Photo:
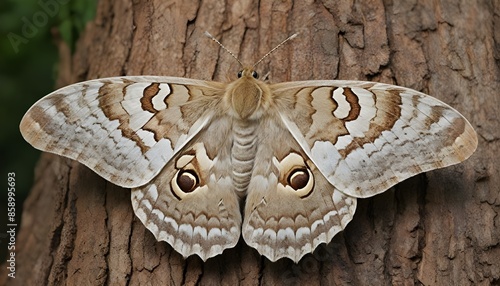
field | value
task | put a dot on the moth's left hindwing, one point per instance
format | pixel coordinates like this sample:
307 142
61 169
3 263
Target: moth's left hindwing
192 204
124 128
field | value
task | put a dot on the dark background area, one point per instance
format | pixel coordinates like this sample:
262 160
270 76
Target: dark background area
28 70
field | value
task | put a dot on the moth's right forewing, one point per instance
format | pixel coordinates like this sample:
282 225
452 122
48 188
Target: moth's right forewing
365 137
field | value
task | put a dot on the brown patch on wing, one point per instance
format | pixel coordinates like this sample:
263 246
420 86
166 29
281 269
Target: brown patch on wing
353 101
147 98
325 127
388 112
108 102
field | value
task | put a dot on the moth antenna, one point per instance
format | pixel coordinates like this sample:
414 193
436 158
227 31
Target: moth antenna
275 48
222 46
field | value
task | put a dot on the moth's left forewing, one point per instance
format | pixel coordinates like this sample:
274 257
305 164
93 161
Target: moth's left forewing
124 128
365 137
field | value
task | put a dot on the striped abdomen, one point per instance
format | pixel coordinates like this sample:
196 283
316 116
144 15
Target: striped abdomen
243 153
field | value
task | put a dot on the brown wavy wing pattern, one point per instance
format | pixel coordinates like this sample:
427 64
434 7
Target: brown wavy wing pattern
365 137
124 128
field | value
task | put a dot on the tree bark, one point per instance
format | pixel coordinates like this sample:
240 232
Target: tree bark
438 228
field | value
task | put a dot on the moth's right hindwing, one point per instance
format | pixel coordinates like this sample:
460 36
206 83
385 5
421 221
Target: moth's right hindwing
125 128
290 208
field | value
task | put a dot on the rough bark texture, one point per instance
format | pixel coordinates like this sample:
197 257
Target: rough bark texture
440 228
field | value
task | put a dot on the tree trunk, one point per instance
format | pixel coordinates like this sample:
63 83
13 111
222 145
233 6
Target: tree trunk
439 228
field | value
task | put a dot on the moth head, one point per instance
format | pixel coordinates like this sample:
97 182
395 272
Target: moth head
248 73
245 94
